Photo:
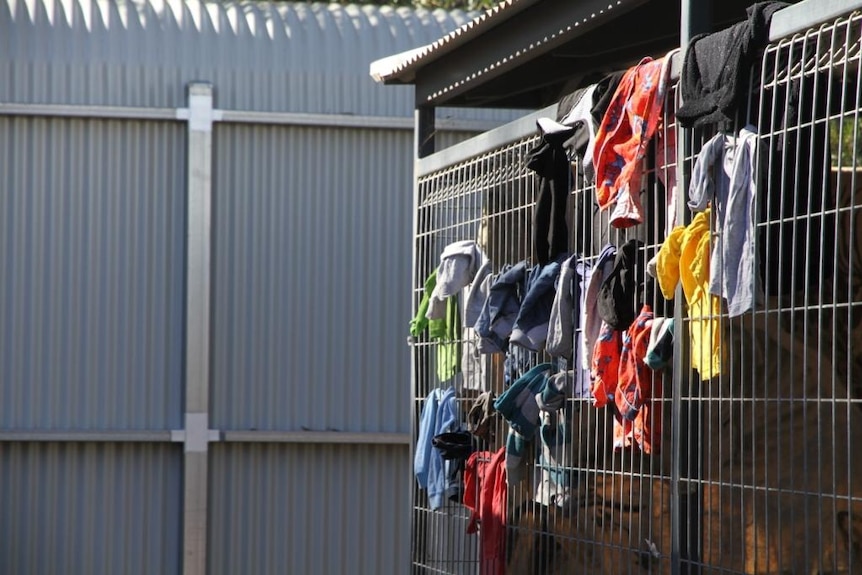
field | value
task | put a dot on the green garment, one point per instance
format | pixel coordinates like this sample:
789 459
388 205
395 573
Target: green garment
446 330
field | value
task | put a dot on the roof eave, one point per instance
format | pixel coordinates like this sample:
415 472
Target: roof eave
401 68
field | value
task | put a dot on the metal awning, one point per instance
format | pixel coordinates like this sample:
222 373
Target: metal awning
529 53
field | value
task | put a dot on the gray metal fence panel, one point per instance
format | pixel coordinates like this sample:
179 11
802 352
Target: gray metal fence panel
262 56
308 509
310 264
91 250
311 274
94 183
95 508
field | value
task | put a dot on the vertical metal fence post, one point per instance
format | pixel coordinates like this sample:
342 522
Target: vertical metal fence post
424 131
695 16
197 434
423 145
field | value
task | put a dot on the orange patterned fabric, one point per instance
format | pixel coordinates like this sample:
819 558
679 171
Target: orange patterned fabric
606 365
638 386
623 382
631 119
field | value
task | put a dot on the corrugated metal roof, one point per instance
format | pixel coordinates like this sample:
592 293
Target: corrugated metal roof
401 66
261 56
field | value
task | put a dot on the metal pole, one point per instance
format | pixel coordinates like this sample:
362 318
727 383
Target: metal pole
424 133
197 434
686 499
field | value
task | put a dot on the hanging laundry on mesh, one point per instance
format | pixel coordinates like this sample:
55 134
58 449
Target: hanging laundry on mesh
531 326
624 383
444 330
716 69
602 268
554 477
536 405
568 317
501 312
583 111
473 360
621 292
723 177
501 306
485 492
631 120
438 476
550 161
684 258
452 283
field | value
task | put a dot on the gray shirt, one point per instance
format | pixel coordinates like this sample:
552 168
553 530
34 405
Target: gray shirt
724 174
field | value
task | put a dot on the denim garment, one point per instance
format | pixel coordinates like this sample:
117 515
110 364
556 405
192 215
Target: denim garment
501 307
531 326
439 477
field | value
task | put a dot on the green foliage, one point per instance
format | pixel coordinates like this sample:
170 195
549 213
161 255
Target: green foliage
846 142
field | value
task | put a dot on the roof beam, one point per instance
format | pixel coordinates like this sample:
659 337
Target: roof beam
534 32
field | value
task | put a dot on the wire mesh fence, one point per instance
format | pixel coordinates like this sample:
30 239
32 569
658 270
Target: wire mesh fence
749 460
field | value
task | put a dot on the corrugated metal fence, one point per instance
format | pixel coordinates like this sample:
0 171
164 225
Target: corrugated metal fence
205 255
758 470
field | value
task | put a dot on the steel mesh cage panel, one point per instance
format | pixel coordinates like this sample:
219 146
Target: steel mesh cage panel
491 198
775 476
758 466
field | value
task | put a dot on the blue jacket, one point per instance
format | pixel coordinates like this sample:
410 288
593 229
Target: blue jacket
439 477
531 325
501 308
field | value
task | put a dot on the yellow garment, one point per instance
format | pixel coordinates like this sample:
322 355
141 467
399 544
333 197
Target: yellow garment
684 257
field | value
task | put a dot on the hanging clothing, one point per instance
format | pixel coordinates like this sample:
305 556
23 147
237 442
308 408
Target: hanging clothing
518 406
440 478
445 330
581 366
638 386
554 466
631 120
475 304
459 262
530 329
485 496
501 307
482 417
723 176
579 117
592 320
561 325
684 258
473 359
625 385
550 161
606 366
620 294
716 68
568 318
660 347
584 111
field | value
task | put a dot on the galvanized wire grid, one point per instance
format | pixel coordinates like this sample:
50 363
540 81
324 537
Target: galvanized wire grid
759 468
